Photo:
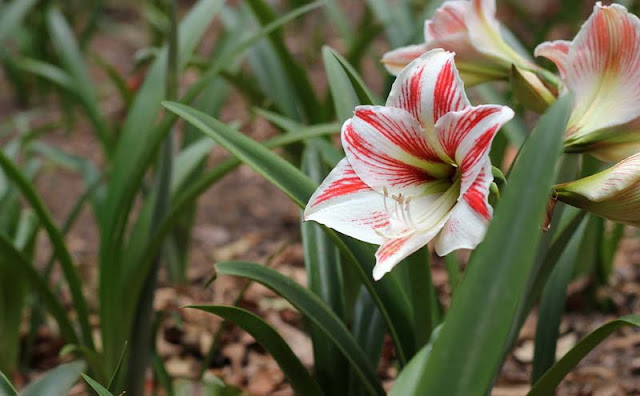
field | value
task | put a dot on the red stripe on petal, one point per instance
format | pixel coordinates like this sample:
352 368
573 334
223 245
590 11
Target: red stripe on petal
476 197
452 138
480 147
446 95
389 249
410 94
350 183
411 141
376 220
399 173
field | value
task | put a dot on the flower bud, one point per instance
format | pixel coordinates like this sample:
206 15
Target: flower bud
613 194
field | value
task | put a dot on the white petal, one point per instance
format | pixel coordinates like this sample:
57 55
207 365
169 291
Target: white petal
608 183
446 21
557 52
396 60
346 204
425 218
484 32
469 219
393 251
603 70
429 87
613 194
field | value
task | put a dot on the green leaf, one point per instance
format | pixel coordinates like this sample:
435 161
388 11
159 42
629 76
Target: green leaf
552 306
57 381
116 371
39 286
550 380
346 86
297 78
12 15
423 296
6 387
487 299
389 296
315 310
301 381
126 93
100 390
68 268
369 330
188 160
184 199
49 72
324 278
90 356
396 20
607 249
135 148
250 152
67 49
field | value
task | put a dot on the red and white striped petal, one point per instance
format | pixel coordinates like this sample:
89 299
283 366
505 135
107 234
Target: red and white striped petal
429 87
557 52
393 251
603 70
484 33
447 21
469 219
613 193
396 60
465 137
389 151
346 204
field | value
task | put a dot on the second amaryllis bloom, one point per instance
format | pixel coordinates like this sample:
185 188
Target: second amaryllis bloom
472 31
416 169
613 193
601 66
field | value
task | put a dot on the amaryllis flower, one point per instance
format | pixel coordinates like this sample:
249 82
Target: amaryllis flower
471 30
613 194
601 66
416 169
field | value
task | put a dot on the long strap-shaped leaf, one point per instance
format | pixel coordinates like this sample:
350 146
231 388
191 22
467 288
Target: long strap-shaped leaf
325 279
69 270
301 381
6 387
40 286
187 197
389 297
314 309
551 379
100 390
56 381
552 305
468 351
135 145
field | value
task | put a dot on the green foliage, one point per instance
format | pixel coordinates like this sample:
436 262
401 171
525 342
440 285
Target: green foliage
492 283
144 200
301 381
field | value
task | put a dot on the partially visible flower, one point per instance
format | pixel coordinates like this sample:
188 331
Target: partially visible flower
471 30
601 66
416 169
613 194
